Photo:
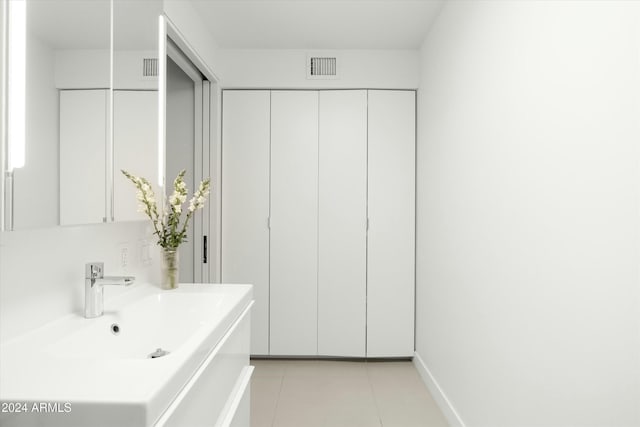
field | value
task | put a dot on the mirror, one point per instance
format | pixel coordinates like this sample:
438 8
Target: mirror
80 131
135 101
67 48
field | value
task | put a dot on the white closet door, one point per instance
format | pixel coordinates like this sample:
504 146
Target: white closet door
391 206
294 222
342 240
83 135
245 202
135 148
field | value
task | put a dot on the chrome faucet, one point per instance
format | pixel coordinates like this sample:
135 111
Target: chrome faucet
94 280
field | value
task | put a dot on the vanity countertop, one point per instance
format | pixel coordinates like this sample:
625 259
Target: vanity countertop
89 366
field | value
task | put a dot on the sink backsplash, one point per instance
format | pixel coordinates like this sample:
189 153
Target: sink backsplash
42 271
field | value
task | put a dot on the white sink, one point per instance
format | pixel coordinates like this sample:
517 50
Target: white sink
83 363
165 321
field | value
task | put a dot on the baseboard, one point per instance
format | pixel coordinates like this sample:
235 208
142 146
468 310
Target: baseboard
438 394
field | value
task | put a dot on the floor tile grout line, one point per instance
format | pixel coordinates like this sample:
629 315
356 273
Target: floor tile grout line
275 410
373 394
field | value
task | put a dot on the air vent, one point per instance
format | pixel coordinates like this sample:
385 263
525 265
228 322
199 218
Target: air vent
149 67
322 67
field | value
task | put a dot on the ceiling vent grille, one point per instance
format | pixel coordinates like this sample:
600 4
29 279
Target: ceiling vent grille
322 67
149 67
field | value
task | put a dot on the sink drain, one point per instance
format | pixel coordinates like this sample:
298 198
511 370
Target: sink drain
158 353
115 329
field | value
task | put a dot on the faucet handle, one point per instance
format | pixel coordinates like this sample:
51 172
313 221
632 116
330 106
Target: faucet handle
94 270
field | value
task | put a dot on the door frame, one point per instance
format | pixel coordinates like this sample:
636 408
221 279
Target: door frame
174 44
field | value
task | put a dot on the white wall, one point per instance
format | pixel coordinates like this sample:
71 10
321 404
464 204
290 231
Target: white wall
528 307
286 68
185 18
82 68
127 70
89 69
42 271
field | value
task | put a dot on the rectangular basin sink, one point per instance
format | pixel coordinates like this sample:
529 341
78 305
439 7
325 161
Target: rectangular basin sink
164 321
101 369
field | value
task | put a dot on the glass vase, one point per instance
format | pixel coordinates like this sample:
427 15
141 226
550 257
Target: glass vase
170 269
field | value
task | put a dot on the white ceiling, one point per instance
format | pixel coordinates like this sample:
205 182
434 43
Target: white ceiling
70 24
318 24
242 24
84 24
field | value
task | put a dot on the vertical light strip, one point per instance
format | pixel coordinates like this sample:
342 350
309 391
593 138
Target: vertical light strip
162 86
110 142
4 185
17 83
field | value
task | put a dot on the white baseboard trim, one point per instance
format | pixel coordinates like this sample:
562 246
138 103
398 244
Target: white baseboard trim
441 399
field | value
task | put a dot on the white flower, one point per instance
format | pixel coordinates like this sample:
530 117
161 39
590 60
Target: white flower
168 223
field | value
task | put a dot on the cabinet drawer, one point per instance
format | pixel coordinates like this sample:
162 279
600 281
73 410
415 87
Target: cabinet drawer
237 412
203 399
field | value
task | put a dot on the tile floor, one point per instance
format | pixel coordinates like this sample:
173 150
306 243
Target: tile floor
310 393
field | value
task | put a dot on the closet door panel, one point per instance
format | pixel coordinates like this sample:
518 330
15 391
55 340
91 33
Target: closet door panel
245 202
294 219
135 148
391 235
83 138
342 223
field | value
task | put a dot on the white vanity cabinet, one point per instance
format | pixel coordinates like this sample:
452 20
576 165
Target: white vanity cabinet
218 394
318 212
